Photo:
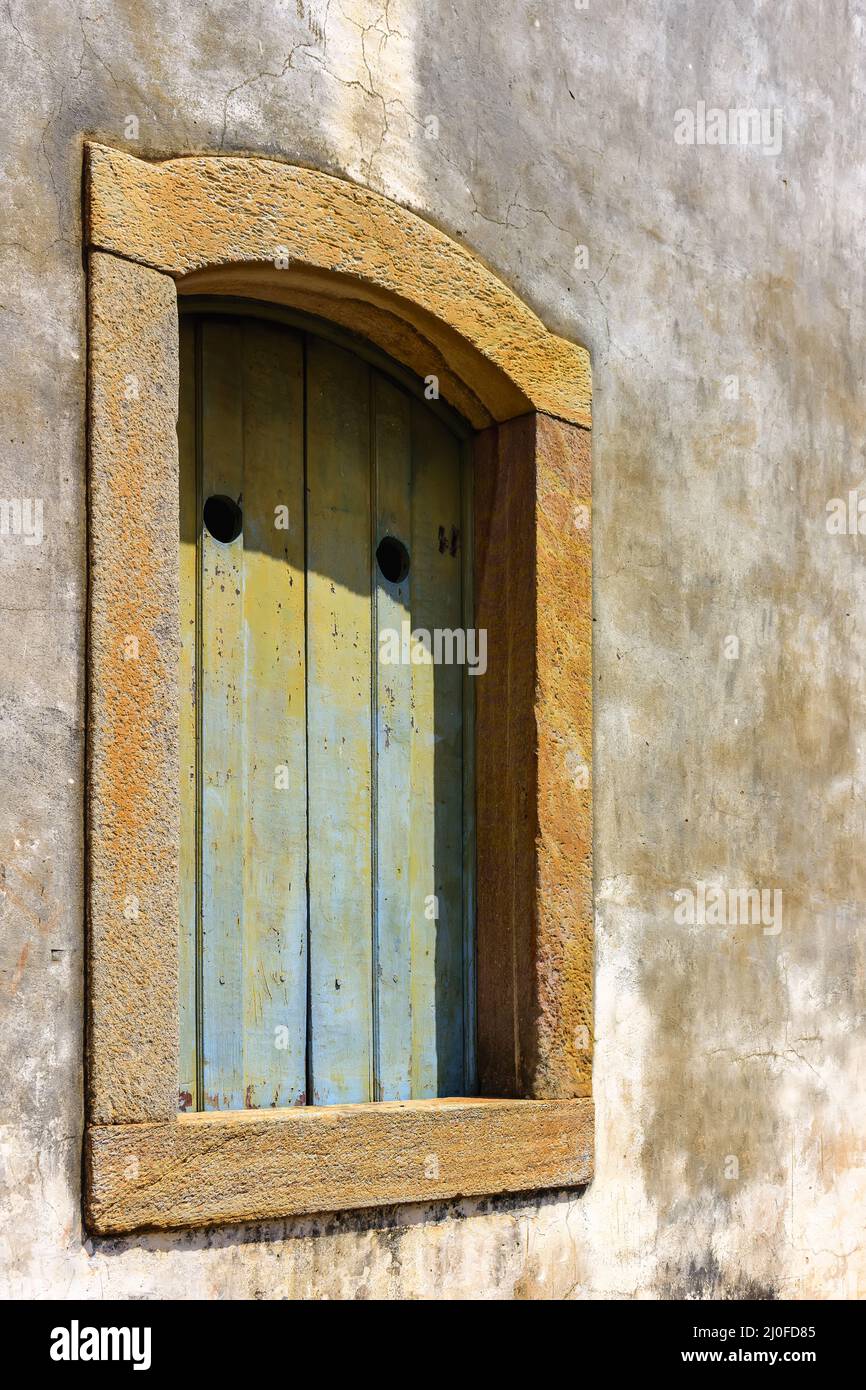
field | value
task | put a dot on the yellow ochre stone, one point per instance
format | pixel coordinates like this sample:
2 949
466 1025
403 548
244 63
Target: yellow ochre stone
184 215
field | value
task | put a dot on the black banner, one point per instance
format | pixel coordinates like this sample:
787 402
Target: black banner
144 1337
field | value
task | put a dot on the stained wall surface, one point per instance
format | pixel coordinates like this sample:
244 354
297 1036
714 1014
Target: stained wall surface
719 287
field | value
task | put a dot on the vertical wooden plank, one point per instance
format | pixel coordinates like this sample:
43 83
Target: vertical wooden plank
437 780
222 727
188 902
275 790
393 735
470 1068
339 665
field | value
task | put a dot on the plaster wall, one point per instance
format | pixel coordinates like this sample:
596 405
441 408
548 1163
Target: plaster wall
721 294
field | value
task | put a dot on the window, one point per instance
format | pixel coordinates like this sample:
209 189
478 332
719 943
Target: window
326 930
302 243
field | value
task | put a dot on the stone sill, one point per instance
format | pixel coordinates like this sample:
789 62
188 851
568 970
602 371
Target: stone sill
256 1165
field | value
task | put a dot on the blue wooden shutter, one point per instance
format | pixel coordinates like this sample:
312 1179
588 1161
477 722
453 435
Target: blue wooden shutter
326 796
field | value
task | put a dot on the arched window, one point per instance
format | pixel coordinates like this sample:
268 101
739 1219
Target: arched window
253 850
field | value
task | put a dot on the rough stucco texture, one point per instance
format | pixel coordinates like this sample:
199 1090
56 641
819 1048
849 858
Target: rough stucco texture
729 1061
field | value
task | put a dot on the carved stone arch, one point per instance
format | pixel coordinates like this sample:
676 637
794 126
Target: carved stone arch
371 264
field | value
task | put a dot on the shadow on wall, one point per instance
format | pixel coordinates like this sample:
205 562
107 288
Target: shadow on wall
391 1220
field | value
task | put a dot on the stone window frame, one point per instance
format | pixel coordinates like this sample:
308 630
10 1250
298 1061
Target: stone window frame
262 229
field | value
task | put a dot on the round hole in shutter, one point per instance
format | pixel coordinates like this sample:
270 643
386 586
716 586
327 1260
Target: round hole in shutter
393 559
223 518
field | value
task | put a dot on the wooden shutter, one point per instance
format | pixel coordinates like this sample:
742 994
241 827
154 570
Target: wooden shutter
325 906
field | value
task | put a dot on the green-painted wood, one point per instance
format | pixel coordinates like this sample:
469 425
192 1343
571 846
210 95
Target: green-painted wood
186 430
252 742
319 765
392 463
470 1068
436 855
313 326
339 669
222 728
275 810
